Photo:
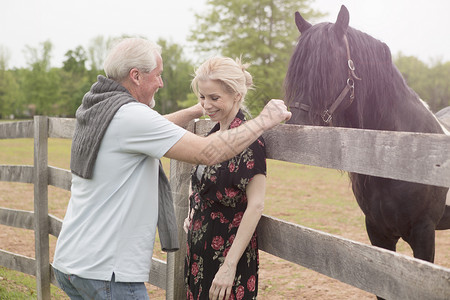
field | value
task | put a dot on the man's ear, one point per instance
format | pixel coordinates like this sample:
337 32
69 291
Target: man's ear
134 76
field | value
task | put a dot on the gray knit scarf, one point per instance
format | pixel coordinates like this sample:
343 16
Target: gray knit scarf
96 111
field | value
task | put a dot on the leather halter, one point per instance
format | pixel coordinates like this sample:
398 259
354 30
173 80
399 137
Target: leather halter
349 87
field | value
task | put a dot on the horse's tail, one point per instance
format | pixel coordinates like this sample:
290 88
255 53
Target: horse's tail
444 223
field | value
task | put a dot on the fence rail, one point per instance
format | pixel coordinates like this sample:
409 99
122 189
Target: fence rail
422 158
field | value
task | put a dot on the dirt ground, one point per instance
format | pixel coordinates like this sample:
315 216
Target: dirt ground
278 279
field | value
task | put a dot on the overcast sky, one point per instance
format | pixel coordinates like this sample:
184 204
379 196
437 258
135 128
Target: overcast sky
414 27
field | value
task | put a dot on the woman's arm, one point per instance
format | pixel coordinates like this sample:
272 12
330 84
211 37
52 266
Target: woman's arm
224 279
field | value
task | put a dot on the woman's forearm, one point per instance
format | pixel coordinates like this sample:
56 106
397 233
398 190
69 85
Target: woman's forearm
249 221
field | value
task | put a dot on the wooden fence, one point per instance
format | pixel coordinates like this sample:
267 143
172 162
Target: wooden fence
422 158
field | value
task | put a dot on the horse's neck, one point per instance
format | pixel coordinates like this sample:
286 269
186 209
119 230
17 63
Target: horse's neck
412 115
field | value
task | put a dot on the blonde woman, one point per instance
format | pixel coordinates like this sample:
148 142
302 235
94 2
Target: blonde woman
228 198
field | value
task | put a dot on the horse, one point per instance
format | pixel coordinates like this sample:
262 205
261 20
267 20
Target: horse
340 76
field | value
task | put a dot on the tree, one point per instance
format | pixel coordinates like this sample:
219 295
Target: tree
75 81
440 88
75 61
263 32
430 83
41 85
176 77
10 93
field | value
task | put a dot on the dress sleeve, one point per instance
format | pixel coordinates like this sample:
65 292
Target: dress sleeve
259 158
250 163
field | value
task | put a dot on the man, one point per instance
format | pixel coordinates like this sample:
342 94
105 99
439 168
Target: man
105 246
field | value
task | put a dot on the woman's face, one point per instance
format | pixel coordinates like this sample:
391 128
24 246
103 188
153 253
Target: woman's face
218 104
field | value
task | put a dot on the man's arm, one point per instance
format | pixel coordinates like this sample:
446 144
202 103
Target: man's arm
223 145
184 116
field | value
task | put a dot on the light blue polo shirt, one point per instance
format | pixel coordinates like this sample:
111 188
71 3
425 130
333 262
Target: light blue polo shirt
110 223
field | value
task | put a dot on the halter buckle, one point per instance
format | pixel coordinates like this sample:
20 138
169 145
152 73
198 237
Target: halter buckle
326 116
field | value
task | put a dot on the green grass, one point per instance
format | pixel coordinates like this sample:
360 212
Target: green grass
17 286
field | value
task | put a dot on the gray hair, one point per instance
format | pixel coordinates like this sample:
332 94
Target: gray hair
131 53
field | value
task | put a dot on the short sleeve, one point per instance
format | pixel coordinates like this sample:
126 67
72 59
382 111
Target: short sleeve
143 130
250 162
257 162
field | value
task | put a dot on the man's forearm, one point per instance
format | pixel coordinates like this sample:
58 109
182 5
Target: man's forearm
223 145
184 116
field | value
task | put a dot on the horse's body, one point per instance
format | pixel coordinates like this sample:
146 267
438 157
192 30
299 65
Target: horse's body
329 57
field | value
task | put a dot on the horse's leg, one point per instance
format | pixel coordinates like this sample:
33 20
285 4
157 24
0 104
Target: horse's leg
379 239
422 240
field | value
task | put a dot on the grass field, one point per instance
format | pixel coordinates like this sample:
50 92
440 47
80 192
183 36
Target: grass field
314 197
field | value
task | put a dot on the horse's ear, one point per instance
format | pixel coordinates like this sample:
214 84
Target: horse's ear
301 23
341 25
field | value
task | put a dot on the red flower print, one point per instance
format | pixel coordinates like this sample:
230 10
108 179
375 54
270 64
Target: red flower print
231 167
194 269
231 239
231 192
197 225
237 219
240 292
190 296
219 195
223 220
236 122
217 242
251 283
213 178
250 164
253 241
215 215
195 257
225 252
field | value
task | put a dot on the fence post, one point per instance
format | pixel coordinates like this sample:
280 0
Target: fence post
40 174
179 181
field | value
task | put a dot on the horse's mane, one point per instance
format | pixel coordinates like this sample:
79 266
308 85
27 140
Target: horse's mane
318 71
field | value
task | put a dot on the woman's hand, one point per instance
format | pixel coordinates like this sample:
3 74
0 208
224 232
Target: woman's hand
187 221
223 282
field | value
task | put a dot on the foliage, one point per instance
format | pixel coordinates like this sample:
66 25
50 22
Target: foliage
263 32
429 82
176 77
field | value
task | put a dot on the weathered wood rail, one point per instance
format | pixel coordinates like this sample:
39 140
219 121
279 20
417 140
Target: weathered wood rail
422 158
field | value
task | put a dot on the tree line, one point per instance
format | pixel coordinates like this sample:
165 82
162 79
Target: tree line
257 31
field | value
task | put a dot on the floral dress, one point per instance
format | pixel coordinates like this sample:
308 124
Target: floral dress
219 202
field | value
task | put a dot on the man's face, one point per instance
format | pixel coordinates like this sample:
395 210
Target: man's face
150 83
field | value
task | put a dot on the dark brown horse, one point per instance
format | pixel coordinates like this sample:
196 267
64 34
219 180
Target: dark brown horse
339 76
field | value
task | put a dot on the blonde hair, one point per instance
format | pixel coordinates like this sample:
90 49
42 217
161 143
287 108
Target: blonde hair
131 53
231 74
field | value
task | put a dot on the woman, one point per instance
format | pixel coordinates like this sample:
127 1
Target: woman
227 199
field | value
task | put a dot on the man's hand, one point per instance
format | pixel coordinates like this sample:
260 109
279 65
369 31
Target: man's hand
274 113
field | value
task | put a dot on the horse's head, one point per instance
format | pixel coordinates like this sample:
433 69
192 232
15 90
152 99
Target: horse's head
319 82
323 84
